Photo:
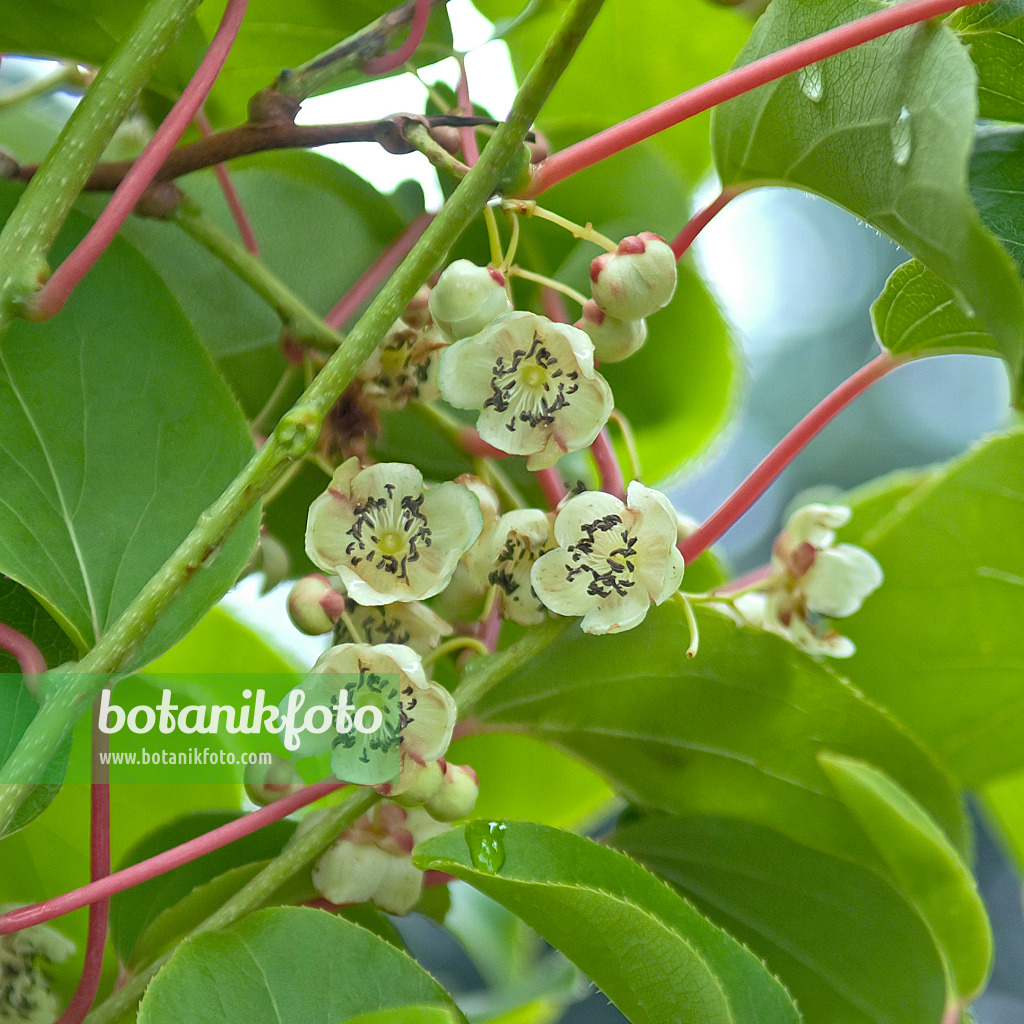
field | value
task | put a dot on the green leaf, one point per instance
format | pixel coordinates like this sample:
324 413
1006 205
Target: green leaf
893 150
21 611
924 867
132 911
408 1015
994 34
108 461
735 731
648 950
997 184
848 947
1003 799
636 54
939 642
287 965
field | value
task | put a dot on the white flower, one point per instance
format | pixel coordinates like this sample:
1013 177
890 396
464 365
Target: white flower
519 539
402 622
467 298
417 716
26 994
613 560
779 613
386 537
534 383
403 368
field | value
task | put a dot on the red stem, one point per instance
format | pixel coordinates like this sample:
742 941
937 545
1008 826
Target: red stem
395 59
230 194
15 920
51 298
784 452
99 867
470 149
550 482
700 220
16 644
608 466
490 628
377 272
734 83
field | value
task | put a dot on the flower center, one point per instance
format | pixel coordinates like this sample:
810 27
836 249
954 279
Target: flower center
606 553
531 386
388 534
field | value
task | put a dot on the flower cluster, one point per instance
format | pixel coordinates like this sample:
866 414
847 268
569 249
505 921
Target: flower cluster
25 990
811 577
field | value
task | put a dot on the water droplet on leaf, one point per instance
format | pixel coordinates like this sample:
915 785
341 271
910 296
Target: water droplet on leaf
811 82
486 847
902 138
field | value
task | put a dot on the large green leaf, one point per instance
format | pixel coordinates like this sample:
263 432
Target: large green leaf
846 944
997 185
107 460
287 965
924 867
893 150
638 52
1003 799
994 34
648 950
735 731
940 643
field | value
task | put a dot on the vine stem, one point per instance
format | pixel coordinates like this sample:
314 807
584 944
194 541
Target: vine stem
297 431
299 852
103 888
30 230
99 867
733 83
551 483
470 149
227 187
375 274
67 76
700 220
784 452
395 59
51 298
608 467
20 647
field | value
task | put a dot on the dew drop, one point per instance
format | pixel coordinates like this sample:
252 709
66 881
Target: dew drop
486 847
902 139
811 82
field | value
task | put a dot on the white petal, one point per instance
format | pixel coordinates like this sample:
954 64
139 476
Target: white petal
616 615
840 579
582 510
816 524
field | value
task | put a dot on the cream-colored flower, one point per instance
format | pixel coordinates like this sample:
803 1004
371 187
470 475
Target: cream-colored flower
534 383
467 298
403 622
416 717
26 993
386 536
613 560
403 367
519 539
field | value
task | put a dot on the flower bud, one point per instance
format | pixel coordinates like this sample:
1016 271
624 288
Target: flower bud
457 796
314 605
637 279
613 339
265 783
274 561
419 782
467 298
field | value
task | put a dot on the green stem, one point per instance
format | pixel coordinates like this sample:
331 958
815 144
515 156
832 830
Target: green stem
298 429
42 210
299 320
295 856
66 75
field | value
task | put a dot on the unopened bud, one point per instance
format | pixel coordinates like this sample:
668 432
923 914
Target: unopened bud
265 783
314 605
467 298
637 279
274 561
613 339
419 782
457 796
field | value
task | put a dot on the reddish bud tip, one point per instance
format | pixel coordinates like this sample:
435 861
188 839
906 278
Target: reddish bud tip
497 276
597 264
631 245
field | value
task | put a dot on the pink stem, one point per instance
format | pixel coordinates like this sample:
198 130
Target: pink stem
608 466
734 83
490 628
470 150
230 193
473 444
395 59
99 867
51 298
748 579
16 644
550 482
784 452
15 920
700 220
377 272
553 306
